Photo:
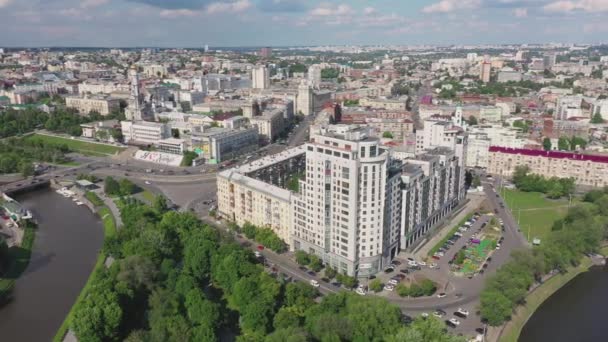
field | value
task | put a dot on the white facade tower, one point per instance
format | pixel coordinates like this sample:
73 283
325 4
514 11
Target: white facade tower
134 111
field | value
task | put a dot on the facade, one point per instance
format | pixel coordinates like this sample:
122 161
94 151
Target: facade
270 124
255 192
341 211
490 113
485 72
219 144
304 103
586 169
388 104
509 75
102 130
429 192
101 87
445 134
171 145
155 70
314 76
260 78
85 105
144 132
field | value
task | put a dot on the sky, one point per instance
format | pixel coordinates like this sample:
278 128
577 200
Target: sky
195 23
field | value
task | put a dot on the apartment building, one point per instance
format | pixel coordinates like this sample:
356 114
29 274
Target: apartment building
85 105
270 124
445 134
429 192
256 192
341 211
586 169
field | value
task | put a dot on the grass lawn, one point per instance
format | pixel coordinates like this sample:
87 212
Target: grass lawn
86 148
148 196
19 259
93 198
536 298
109 229
535 213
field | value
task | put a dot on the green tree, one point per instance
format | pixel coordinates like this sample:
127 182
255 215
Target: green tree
472 121
547 144
563 144
330 273
198 252
287 317
289 334
98 316
111 186
126 187
495 307
201 311
375 285
160 204
597 118
315 263
26 168
387 135
403 290
302 257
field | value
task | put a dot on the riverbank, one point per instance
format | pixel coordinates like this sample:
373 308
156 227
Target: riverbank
109 230
19 260
512 330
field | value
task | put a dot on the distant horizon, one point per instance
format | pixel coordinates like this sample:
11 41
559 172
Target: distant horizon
234 23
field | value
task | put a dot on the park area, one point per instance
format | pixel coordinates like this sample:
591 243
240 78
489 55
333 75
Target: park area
470 259
79 146
534 212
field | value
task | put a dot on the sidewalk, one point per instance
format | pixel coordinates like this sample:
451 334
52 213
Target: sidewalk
475 200
112 206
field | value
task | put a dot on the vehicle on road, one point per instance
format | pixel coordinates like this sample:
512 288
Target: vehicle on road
441 295
311 273
404 271
388 270
454 322
389 287
147 182
314 283
393 282
424 315
257 254
360 291
439 313
433 265
421 263
462 313
260 247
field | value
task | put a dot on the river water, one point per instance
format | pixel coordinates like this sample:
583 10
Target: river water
64 254
578 312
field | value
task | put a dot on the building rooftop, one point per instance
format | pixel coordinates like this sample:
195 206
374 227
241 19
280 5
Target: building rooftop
270 160
551 154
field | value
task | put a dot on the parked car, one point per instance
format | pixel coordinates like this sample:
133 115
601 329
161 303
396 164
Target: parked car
441 295
314 283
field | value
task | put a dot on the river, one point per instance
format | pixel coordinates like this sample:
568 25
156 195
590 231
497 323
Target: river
576 312
64 254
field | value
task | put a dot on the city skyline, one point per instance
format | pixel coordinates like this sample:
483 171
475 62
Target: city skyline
195 23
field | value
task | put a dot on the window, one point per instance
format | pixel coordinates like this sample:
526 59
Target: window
372 151
362 152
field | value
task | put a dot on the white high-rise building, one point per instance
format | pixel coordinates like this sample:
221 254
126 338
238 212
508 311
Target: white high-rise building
304 103
314 76
133 112
260 78
347 211
445 134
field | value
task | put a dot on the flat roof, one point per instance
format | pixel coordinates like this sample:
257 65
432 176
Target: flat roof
271 159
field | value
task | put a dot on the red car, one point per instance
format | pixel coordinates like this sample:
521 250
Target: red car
5 217
260 247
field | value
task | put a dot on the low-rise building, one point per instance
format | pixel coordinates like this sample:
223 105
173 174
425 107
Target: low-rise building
586 169
171 145
144 132
103 105
388 104
219 144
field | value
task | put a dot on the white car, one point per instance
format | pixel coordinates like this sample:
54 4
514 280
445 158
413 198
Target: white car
389 287
360 291
257 254
412 263
147 182
314 283
463 312
422 263
424 315
433 265
455 321
441 295
393 282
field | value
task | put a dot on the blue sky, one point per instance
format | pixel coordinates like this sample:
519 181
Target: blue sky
194 23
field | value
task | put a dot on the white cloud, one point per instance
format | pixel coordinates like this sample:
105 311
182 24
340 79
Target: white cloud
178 13
4 3
326 10
520 12
92 3
445 6
577 5
369 10
229 7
